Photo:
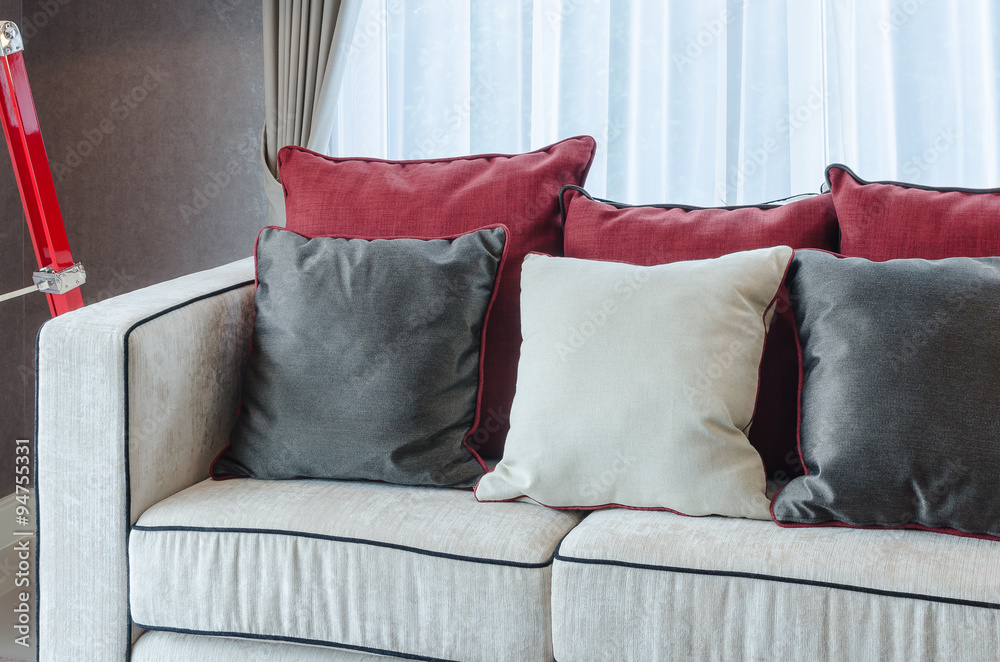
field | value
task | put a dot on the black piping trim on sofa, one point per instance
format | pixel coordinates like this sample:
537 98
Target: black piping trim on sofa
782 580
890 182
128 483
295 640
772 204
344 539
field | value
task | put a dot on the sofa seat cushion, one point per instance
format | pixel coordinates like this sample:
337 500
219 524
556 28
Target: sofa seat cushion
424 573
630 585
175 647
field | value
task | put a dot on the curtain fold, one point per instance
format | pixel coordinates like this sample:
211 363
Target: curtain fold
706 103
306 47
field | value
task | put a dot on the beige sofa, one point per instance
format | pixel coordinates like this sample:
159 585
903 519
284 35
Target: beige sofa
142 558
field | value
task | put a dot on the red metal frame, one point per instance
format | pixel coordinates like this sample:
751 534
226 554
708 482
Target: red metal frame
34 178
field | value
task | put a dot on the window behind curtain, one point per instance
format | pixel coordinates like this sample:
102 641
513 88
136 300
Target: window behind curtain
709 102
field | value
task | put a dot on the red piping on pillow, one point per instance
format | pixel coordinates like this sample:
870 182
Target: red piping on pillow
798 404
798 408
669 510
211 467
805 468
587 508
482 337
914 527
482 344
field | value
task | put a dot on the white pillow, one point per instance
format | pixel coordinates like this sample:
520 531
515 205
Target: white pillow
637 385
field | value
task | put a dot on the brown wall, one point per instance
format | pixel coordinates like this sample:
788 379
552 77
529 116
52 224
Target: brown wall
15 252
151 114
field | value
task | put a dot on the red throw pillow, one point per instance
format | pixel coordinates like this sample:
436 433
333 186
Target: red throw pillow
375 198
658 234
889 220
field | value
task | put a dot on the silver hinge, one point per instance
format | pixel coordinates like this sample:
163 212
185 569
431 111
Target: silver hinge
10 38
49 281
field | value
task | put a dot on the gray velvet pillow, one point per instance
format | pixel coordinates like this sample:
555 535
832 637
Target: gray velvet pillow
366 359
900 423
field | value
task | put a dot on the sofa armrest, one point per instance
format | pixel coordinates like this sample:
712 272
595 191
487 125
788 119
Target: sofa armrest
134 397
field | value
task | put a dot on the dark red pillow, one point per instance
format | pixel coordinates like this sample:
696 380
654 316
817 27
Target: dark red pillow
658 234
889 220
375 198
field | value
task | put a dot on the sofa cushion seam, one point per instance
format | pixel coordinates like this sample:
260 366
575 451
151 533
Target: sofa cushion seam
350 540
294 640
783 580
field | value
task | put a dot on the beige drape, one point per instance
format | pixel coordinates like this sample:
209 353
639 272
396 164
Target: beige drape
305 49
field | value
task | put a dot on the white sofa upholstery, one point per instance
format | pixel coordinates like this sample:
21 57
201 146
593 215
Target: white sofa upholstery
174 647
326 562
136 396
658 586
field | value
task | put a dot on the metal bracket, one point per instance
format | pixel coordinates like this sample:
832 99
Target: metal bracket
49 281
34 178
10 38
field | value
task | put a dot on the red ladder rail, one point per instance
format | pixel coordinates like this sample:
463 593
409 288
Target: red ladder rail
34 179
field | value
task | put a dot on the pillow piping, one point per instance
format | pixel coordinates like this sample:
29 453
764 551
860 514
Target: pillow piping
770 305
382 198
446 159
891 182
771 204
606 230
805 468
482 336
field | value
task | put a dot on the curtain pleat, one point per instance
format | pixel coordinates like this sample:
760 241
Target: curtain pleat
273 60
306 45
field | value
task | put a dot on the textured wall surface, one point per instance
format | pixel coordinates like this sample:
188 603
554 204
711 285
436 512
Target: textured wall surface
16 265
151 114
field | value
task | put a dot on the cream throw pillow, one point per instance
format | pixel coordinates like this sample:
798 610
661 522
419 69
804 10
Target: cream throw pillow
636 385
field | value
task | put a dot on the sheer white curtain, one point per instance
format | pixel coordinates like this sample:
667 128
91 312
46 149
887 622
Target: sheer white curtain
708 102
